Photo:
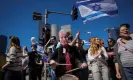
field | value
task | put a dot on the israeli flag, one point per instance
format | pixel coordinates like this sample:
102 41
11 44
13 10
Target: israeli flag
93 9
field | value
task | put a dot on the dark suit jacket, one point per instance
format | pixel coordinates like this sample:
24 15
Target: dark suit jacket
59 57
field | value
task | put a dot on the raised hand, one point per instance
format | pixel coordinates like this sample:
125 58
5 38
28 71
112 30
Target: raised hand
78 34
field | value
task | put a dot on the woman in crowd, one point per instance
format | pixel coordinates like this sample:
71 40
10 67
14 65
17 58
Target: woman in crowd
124 53
110 52
13 65
97 57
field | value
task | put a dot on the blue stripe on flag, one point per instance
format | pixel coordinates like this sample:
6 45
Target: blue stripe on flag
93 15
113 12
101 12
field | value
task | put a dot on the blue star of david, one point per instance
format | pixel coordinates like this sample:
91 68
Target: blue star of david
96 7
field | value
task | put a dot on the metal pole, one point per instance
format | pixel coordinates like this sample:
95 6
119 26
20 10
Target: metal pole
59 13
46 16
48 12
45 65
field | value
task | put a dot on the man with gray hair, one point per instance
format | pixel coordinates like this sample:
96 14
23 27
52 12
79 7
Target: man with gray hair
66 54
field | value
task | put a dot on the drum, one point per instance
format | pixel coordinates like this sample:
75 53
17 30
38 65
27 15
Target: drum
68 77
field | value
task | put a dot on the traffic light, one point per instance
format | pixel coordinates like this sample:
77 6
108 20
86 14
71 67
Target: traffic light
46 35
74 13
37 16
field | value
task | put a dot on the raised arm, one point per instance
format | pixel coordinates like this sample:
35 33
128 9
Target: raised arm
25 51
74 40
45 46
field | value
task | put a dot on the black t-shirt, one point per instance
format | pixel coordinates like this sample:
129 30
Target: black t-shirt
38 59
109 49
111 58
32 59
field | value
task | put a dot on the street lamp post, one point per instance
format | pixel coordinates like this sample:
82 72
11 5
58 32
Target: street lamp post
38 16
46 16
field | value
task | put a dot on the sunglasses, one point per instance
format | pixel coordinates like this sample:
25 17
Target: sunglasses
110 41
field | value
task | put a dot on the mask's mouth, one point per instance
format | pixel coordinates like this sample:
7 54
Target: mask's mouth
125 33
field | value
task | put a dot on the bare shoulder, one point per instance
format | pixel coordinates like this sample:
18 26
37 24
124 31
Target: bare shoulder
12 49
103 48
131 35
118 40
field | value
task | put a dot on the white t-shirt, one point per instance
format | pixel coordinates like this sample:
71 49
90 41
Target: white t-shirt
92 57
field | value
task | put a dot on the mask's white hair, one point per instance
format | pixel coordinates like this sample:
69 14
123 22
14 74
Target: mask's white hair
62 31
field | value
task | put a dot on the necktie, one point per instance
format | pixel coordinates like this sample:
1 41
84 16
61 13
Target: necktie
68 67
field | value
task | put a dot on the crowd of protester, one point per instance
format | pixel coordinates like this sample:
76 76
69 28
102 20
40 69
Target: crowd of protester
68 60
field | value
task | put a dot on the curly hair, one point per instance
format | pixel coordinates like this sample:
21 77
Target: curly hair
94 47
